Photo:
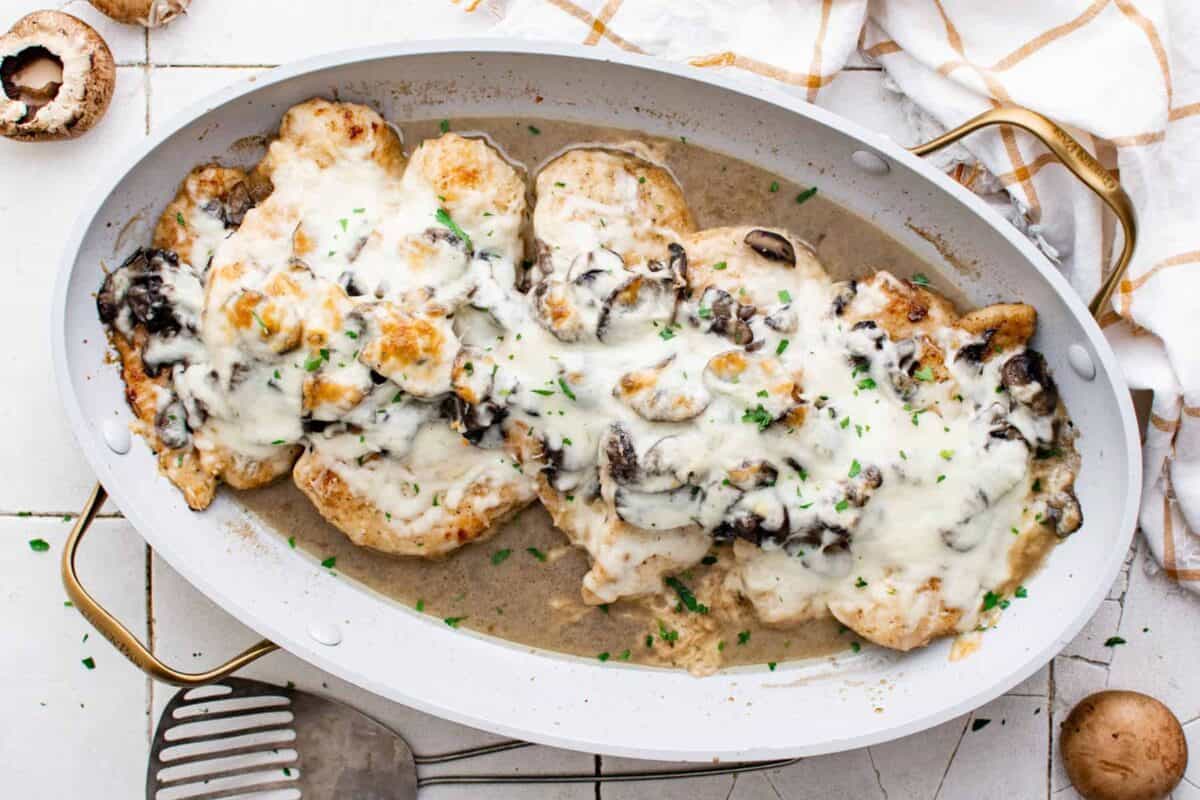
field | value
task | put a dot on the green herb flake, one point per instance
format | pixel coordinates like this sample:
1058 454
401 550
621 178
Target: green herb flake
1021 592
543 392
538 554
313 364
990 601
855 468
329 563
842 505
536 131
444 126
667 334
771 665
266 331
704 313
759 416
420 604
785 296
920 280
845 423
453 621
941 478
867 383
855 646
39 545
783 345
443 218
625 655
603 656
806 195
946 454
667 635
743 637
720 265
686 596
291 542
500 556
649 640
1113 641
925 373
89 662
566 389
859 583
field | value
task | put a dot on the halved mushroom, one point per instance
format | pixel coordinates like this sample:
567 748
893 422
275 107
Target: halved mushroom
149 13
57 77
719 313
771 246
662 393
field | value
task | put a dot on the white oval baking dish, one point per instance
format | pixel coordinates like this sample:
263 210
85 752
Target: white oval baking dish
749 713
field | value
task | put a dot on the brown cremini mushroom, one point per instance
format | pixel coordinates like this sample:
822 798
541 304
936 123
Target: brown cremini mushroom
150 13
1119 745
57 77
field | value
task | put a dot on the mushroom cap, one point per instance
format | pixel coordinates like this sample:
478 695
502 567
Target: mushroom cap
1120 745
88 77
150 13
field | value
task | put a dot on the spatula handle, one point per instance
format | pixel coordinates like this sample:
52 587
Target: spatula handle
118 634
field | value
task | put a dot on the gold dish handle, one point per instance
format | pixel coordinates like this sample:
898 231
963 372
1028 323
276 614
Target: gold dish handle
117 633
1074 157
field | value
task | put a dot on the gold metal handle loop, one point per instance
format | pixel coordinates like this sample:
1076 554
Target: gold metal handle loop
1074 157
117 633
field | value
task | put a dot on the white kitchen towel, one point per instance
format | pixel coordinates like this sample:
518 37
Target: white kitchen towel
1121 74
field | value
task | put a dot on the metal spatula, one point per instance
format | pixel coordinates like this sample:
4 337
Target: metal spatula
243 738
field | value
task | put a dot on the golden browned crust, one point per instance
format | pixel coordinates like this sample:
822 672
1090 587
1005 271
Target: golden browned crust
720 257
1007 325
902 620
367 525
203 184
321 131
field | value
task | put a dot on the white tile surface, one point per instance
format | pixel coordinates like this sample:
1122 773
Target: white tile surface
41 642
69 731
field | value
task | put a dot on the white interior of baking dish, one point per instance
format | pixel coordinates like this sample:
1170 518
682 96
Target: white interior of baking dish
799 709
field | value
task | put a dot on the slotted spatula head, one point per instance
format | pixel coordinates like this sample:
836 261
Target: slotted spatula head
243 738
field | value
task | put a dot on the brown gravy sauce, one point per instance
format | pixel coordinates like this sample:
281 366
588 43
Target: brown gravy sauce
499 587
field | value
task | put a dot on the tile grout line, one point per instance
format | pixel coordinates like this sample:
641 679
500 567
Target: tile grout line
598 762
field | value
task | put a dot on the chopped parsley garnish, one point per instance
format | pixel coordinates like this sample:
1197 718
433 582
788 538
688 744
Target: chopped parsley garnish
469 368
534 130
925 373
859 583
562 384
89 662
903 455
179 219
785 296
743 637
990 601
920 280
604 656
344 223
420 604
806 195
686 597
279 441
867 383
313 364
329 562
543 392
1113 641
444 126
855 646
625 655
1037 484
703 312
641 178
759 416
941 478
443 218
783 345
668 636
39 545
771 665
453 621
566 440
720 265
845 423
538 554
1021 592
24 513
946 454
667 334
291 542
649 640
842 505
774 187
499 556
855 468
266 331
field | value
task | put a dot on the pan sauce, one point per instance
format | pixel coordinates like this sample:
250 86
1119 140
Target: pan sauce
507 595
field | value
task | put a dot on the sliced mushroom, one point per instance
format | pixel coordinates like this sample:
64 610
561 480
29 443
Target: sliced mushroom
619 457
148 13
718 312
843 295
171 426
57 77
661 393
1029 382
638 303
771 246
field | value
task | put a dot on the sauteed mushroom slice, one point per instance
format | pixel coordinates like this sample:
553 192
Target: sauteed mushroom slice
1029 382
719 313
758 266
56 75
771 246
639 302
